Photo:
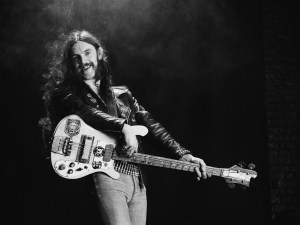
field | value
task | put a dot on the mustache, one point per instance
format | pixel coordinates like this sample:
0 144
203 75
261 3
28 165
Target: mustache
86 65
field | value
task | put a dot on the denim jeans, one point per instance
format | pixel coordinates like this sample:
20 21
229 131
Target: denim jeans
121 201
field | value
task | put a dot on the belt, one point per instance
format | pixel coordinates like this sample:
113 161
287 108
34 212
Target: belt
127 168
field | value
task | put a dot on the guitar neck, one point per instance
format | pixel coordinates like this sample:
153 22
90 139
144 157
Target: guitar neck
168 163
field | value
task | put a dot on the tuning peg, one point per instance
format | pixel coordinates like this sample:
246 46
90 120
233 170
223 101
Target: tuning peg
231 185
251 166
242 164
243 187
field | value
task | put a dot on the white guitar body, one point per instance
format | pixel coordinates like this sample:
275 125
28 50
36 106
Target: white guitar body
79 150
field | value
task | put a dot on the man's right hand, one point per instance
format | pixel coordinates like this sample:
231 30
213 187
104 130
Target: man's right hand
131 142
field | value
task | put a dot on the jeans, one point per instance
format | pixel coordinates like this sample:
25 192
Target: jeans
121 201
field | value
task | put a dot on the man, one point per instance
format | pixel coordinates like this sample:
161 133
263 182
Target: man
79 82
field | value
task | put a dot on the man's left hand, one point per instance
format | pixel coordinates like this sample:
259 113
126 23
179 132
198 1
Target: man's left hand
192 159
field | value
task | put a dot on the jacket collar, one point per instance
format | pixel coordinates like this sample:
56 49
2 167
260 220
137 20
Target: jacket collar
110 105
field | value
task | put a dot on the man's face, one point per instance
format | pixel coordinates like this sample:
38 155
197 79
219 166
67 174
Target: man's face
85 59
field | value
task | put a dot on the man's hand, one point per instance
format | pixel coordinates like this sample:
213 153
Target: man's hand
131 142
192 159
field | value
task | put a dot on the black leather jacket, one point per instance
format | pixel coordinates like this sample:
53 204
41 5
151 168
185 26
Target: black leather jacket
111 116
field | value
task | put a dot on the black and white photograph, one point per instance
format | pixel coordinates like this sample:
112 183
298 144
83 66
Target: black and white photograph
150 112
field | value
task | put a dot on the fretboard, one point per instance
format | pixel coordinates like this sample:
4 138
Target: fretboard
168 163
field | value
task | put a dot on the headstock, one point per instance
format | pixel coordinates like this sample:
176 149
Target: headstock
239 175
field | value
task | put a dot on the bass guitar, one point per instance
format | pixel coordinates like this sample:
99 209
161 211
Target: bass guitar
79 150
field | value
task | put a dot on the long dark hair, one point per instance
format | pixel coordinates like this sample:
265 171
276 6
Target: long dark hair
60 71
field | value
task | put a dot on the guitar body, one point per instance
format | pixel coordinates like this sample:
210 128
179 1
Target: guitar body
78 150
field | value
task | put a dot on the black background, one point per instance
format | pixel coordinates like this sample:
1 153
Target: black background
196 65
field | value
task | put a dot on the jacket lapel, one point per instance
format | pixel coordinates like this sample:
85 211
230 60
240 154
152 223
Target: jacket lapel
95 100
